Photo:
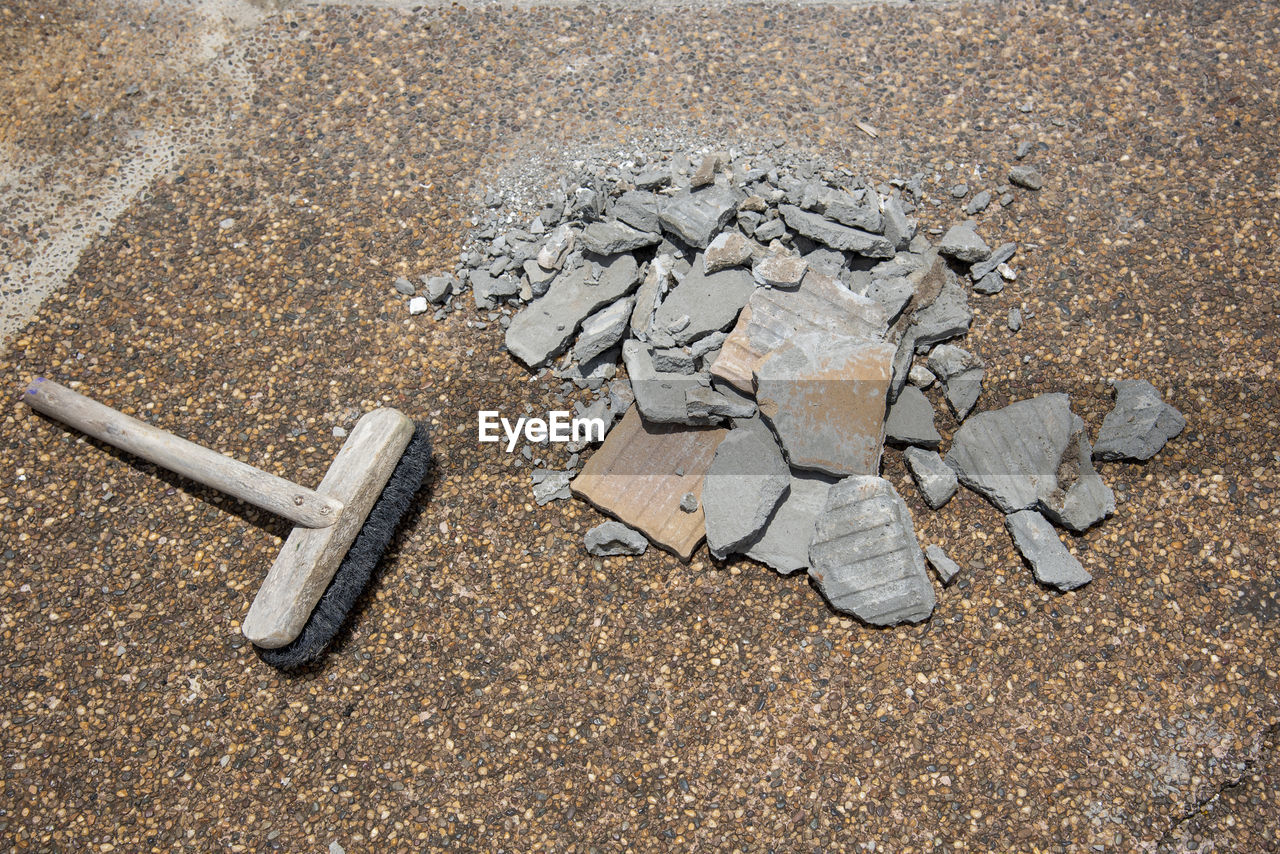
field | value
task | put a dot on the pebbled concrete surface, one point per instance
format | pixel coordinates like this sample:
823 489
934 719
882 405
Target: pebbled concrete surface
500 689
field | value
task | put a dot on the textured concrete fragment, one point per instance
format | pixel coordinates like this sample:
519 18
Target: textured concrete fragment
706 405
643 471
729 249
556 249
1051 561
783 545
657 279
610 238
944 316
549 485
963 243
961 374
892 293
1032 453
747 479
857 210
780 270
639 210
614 538
936 480
910 420
865 558
824 396
818 228
946 568
773 317
543 327
697 216
1139 425
660 396
1026 176
603 330
898 229
710 302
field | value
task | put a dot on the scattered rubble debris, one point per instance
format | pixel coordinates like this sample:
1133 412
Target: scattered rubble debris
778 320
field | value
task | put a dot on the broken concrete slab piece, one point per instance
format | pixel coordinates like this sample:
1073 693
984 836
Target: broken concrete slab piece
936 480
963 243
639 210
818 228
747 479
697 216
603 330
773 317
910 420
729 249
1026 176
898 229
1139 425
946 568
641 474
1051 561
780 270
557 247
824 396
544 327
711 302
865 558
783 545
1032 454
1002 254
610 238
661 397
614 538
961 374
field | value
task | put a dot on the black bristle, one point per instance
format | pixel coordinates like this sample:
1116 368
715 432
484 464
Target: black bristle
361 559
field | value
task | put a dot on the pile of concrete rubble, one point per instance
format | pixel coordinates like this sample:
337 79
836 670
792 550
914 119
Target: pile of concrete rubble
778 322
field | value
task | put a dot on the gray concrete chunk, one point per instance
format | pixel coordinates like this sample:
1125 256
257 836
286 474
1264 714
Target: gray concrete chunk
783 545
706 404
910 420
614 538
946 568
661 397
1032 454
780 270
963 243
865 558
860 210
936 480
1051 561
603 330
1003 253
898 229
639 209
697 216
961 374
610 238
544 327
711 302
747 479
550 485
729 249
818 228
1026 176
824 395
1139 425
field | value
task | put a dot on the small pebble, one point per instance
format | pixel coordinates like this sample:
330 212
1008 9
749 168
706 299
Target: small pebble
1015 319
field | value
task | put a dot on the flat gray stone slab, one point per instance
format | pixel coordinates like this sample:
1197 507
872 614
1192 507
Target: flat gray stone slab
822 230
711 302
946 568
898 229
747 479
936 480
545 326
1033 454
610 238
661 397
1139 425
783 545
824 396
697 216
639 209
910 420
1051 561
865 558
614 538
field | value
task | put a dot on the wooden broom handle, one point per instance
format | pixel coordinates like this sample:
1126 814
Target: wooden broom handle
304 506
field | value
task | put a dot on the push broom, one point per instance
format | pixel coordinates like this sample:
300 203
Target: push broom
343 526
